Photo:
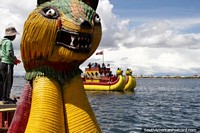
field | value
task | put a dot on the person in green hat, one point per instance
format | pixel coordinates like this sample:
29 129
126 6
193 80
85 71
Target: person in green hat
8 60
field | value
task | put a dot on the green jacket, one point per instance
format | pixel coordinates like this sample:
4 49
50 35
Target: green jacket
6 51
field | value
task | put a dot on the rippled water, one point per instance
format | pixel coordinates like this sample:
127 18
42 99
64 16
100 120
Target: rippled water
156 103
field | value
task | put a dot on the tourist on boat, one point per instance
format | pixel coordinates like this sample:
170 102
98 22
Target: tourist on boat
103 66
1 84
8 59
1 78
89 65
99 66
94 65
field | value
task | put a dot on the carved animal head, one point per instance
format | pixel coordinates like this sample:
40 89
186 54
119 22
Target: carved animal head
128 71
59 35
119 71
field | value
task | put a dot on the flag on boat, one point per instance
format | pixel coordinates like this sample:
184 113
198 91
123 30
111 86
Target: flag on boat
99 53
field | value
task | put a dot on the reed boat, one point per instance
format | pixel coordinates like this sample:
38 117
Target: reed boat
102 79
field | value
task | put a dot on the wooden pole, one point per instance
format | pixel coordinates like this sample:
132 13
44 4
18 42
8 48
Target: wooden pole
103 56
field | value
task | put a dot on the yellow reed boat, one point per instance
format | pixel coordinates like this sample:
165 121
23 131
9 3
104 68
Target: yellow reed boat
102 79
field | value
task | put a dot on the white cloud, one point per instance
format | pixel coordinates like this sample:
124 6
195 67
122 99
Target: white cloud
14 13
152 47
159 34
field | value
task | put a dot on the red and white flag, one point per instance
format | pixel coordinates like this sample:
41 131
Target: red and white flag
99 53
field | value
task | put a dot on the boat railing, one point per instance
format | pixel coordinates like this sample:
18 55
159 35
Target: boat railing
103 83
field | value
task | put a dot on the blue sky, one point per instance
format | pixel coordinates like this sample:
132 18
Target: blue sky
143 10
156 8
151 37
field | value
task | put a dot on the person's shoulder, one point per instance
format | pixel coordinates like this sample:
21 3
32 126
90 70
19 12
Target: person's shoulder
4 40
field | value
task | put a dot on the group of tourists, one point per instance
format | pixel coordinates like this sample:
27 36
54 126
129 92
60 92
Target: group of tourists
7 62
96 65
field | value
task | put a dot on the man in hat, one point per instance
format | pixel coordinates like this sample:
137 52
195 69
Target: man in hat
8 60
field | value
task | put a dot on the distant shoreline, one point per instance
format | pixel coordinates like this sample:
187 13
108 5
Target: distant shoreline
170 77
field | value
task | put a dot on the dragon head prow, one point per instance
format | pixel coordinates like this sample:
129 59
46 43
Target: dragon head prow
59 35
128 72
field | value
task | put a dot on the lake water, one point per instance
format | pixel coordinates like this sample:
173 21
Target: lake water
162 104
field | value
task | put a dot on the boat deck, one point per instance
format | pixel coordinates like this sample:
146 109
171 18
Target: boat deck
6 114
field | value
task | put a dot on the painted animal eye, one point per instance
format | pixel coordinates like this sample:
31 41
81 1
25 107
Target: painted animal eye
96 19
50 12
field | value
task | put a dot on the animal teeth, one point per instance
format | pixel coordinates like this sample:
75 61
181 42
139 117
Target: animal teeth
72 41
84 41
77 42
72 38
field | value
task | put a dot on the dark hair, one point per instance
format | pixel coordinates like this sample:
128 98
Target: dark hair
11 38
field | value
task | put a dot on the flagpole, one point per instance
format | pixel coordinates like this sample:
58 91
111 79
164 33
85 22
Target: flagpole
103 56
101 53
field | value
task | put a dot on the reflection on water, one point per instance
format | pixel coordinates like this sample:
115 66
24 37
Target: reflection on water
156 103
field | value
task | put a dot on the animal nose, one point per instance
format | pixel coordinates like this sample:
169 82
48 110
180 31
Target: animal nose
86 24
